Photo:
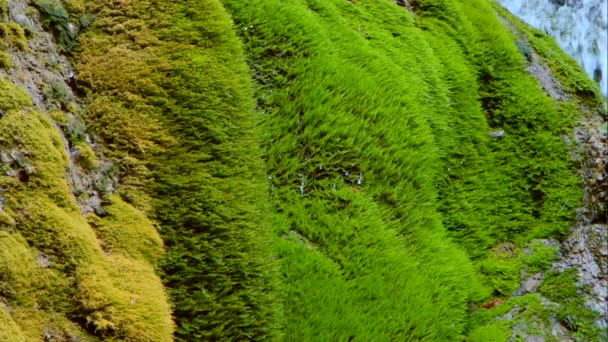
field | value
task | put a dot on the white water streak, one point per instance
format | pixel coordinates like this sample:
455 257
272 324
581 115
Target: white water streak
580 27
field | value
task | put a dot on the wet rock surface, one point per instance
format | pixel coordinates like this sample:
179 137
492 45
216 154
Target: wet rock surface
586 247
579 27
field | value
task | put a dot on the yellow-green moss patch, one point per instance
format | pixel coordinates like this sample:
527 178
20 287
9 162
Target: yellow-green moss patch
127 230
9 331
6 61
86 156
124 301
59 117
12 35
12 96
53 266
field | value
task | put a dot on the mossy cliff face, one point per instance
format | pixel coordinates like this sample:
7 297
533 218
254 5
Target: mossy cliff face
65 272
317 171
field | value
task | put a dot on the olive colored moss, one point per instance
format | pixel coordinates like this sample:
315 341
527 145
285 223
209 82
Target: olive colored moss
57 279
12 96
12 35
127 231
388 196
170 98
3 8
9 331
86 156
6 61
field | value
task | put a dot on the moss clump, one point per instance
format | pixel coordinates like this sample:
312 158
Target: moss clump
25 285
502 273
540 257
126 230
572 311
559 286
7 222
151 84
12 96
85 156
9 330
124 301
6 61
59 117
3 8
493 332
78 283
74 7
569 73
12 35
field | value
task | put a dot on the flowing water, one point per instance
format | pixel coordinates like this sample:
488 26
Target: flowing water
580 27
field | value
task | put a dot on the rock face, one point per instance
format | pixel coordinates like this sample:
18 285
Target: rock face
44 72
586 248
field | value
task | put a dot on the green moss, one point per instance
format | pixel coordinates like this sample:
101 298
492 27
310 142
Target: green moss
6 62
126 230
56 18
540 257
59 117
577 317
564 68
338 84
12 35
12 96
79 276
9 330
559 286
502 273
493 332
86 156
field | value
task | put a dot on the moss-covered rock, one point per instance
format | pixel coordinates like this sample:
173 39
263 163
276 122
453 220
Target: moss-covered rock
12 35
12 96
85 156
54 273
6 61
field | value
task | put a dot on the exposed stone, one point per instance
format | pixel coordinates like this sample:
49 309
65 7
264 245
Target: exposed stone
560 332
532 283
509 315
505 248
43 260
406 4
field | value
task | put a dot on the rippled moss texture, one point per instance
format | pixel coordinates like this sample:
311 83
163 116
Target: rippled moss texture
306 170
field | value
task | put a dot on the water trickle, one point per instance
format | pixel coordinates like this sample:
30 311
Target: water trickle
580 27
